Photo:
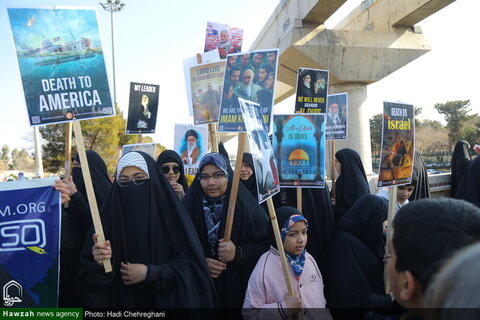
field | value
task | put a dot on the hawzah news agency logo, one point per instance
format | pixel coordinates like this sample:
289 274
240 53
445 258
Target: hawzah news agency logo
22 235
12 293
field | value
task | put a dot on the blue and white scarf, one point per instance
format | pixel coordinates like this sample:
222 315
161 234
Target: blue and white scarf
297 262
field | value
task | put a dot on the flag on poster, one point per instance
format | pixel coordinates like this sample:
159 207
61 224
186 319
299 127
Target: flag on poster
398 144
61 64
148 148
142 108
250 76
224 38
206 90
191 143
337 117
312 89
266 172
299 144
29 243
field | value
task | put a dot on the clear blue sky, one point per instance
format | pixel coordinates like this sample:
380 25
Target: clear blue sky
152 38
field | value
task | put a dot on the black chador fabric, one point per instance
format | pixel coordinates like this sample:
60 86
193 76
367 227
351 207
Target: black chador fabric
317 209
147 224
100 179
352 182
469 188
460 162
422 188
249 234
76 222
355 270
172 156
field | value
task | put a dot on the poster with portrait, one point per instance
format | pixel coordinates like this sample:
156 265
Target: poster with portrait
299 145
191 143
206 82
30 215
312 90
148 148
337 117
207 57
398 144
266 172
61 64
142 108
250 76
224 38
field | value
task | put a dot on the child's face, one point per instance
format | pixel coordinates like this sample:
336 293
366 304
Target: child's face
404 192
296 239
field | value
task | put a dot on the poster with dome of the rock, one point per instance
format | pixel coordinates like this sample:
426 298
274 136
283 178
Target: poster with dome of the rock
61 64
299 146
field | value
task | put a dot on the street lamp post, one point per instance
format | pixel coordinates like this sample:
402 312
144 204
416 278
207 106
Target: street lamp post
113 6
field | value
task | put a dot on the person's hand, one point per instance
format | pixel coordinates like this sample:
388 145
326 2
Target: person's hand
215 267
101 250
334 201
177 187
293 303
226 250
65 186
185 160
64 198
133 273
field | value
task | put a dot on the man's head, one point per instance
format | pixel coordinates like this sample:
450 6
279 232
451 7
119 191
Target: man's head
426 233
245 59
235 75
199 92
144 100
272 58
209 87
258 59
191 136
307 79
224 36
333 109
263 72
247 77
232 60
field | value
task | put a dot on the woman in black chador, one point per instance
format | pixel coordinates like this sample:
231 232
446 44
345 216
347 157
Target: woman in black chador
419 174
355 270
351 183
172 168
77 221
156 258
460 162
230 263
469 188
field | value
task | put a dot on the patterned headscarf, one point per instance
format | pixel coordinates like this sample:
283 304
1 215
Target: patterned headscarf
297 262
216 159
131 159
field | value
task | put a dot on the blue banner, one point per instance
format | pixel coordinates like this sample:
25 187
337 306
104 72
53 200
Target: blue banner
29 243
61 63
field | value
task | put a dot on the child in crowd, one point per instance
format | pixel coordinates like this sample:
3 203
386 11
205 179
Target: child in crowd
267 296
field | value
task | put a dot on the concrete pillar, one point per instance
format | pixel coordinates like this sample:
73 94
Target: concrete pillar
358 125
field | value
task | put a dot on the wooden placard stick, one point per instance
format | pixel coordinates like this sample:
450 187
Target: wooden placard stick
68 153
212 130
242 136
281 251
140 137
299 199
332 149
392 210
97 223
68 148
